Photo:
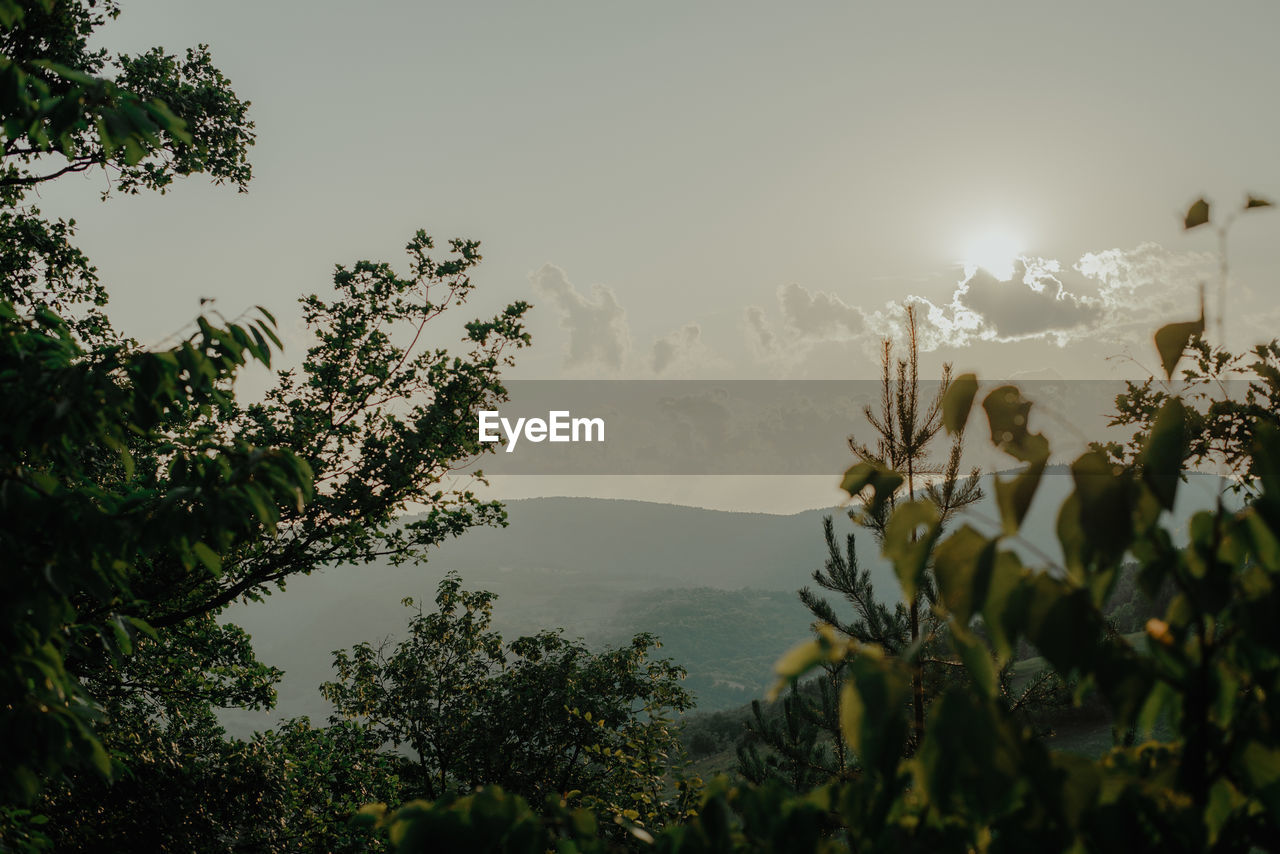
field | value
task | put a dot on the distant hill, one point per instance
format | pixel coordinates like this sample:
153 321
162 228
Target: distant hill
604 569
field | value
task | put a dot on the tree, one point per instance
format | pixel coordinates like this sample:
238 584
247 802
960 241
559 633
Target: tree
178 504
68 108
796 738
96 486
383 422
904 432
541 716
424 693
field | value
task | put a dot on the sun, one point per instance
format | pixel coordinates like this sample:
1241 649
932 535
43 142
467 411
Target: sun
995 251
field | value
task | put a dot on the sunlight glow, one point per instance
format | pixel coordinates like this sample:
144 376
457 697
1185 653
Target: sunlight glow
994 251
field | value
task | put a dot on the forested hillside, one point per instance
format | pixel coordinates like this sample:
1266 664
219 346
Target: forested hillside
602 570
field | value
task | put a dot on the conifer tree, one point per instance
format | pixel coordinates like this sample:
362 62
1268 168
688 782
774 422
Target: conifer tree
904 430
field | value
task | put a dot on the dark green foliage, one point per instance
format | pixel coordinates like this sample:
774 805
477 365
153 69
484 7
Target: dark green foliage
1220 428
759 819
874 621
324 775
180 786
185 787
138 499
382 420
541 715
79 527
58 102
794 743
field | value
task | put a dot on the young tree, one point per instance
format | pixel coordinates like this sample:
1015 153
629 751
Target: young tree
904 432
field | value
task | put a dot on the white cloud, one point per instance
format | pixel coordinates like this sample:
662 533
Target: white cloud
597 324
1033 303
1118 295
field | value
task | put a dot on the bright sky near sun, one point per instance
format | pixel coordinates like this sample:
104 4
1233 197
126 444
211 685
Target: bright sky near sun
730 189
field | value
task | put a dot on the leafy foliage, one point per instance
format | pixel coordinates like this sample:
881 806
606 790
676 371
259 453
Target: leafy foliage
79 527
138 497
59 102
541 716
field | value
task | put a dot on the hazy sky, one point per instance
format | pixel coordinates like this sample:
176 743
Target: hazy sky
729 189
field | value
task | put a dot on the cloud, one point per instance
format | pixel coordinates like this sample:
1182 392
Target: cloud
1116 294
1149 280
817 314
677 346
760 333
597 324
810 321
1034 302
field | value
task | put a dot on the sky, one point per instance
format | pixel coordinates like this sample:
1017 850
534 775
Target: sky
727 190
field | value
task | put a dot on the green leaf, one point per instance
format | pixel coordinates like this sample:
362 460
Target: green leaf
1197 214
870 712
1165 451
962 564
10 12
1257 202
1008 413
1013 495
883 482
209 558
852 712
797 661
99 757
977 660
1172 340
907 546
1105 503
1224 801
958 401
1006 602
1262 769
